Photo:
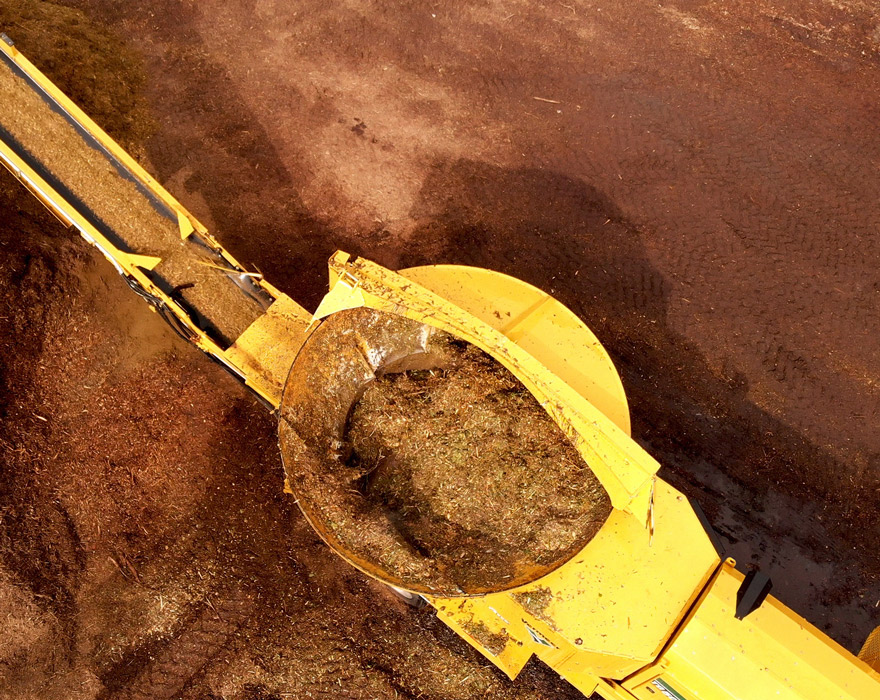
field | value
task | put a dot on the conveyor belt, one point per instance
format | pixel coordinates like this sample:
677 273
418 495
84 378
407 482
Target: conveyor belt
219 297
89 182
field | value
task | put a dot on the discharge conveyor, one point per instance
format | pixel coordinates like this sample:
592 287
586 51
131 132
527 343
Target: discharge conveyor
88 182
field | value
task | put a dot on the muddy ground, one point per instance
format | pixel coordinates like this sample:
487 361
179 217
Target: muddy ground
698 180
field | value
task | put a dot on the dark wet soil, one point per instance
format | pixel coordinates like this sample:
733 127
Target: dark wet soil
696 180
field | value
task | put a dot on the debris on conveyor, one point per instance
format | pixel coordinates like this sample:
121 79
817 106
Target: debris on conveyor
104 192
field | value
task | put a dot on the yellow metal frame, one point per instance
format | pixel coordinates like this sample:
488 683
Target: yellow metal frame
615 618
771 653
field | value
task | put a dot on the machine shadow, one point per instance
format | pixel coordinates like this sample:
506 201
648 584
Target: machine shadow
549 229
568 238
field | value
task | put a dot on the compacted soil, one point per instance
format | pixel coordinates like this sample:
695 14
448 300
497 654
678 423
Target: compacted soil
697 180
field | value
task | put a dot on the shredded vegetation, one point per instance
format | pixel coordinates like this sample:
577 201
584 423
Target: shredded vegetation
536 601
495 642
465 454
441 470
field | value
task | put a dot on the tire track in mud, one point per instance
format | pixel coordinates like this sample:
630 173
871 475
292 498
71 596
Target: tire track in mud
178 660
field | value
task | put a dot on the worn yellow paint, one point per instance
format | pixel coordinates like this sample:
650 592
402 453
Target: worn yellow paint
612 608
466 616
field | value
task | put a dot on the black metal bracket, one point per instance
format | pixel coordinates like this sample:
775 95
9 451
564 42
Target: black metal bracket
752 592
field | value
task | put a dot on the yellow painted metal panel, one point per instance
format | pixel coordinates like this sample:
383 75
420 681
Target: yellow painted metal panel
772 653
267 348
614 691
627 591
583 679
487 631
537 323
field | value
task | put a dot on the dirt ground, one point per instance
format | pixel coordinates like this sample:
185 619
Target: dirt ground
697 180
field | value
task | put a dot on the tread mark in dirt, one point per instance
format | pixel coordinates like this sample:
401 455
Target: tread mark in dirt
783 363
184 656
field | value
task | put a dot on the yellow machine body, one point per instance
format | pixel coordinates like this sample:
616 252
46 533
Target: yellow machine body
646 608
